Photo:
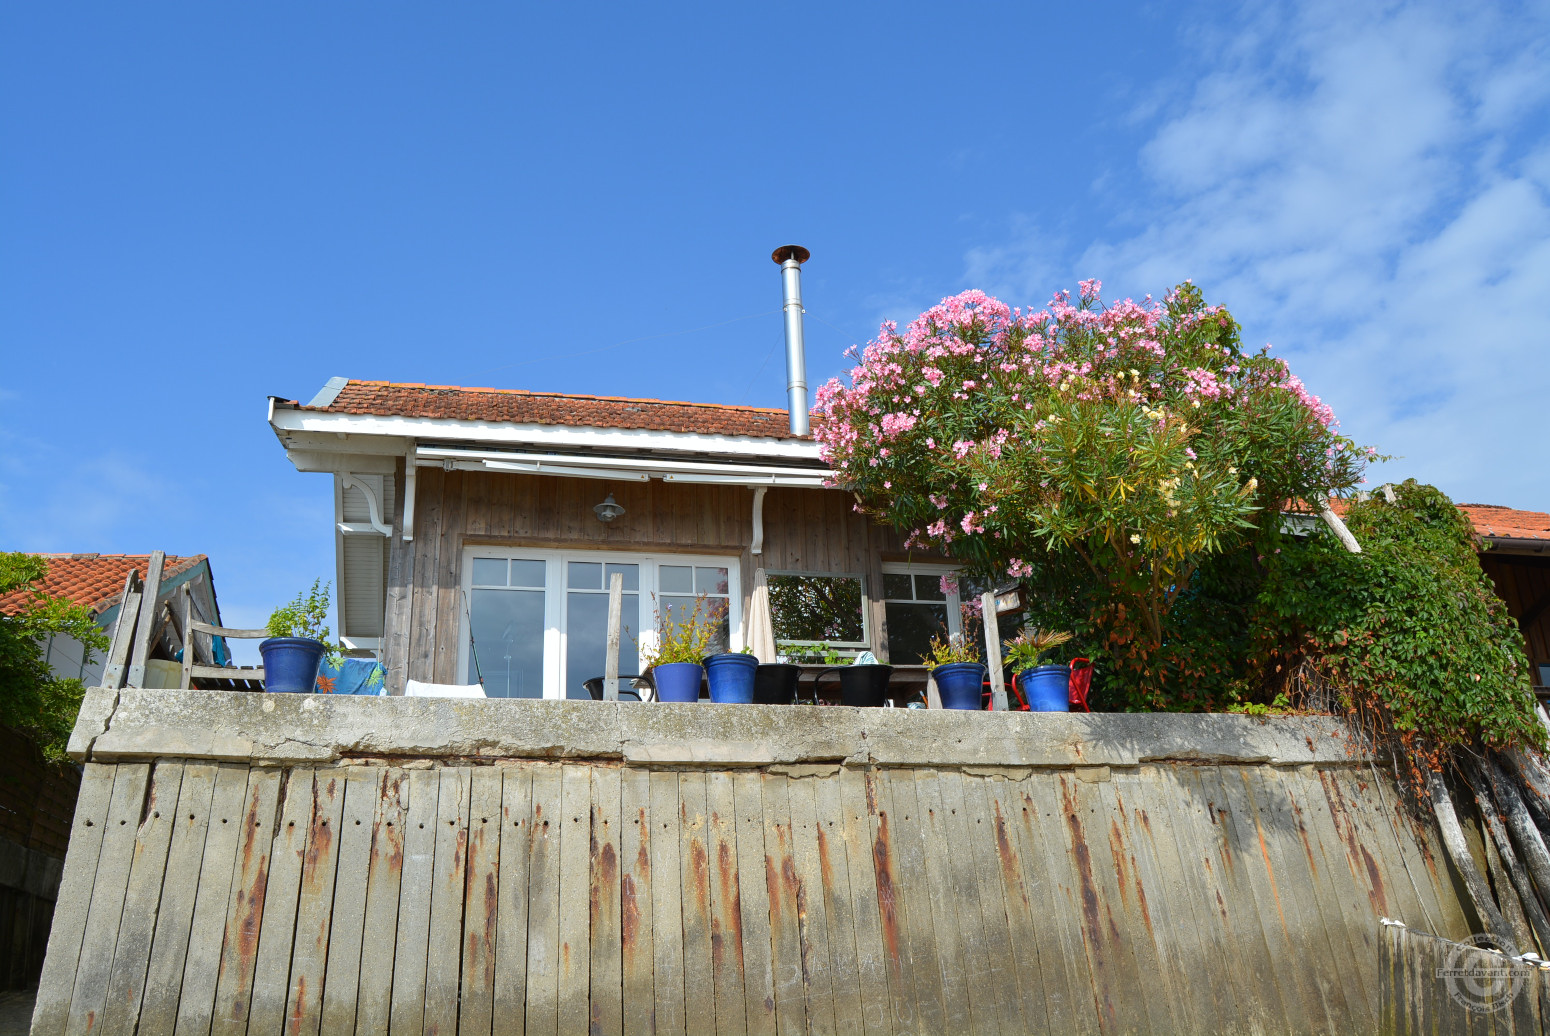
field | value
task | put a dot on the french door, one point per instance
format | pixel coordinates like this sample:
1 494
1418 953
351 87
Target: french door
535 622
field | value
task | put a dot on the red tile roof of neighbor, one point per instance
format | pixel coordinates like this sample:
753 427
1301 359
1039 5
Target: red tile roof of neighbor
1505 523
94 580
519 406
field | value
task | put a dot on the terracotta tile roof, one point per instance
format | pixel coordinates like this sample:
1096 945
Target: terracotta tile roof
95 580
519 406
1505 523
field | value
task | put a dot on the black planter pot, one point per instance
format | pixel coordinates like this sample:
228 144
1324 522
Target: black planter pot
861 686
775 683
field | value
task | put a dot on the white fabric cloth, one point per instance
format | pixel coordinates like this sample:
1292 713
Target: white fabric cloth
761 631
416 689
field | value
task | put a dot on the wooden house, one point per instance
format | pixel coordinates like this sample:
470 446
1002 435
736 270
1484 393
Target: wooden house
1515 553
476 529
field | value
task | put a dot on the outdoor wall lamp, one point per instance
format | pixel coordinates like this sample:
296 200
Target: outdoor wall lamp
608 510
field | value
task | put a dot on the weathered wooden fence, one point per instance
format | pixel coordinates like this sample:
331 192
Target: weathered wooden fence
263 863
1435 986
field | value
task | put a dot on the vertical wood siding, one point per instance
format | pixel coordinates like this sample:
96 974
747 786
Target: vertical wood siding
590 897
1524 582
807 530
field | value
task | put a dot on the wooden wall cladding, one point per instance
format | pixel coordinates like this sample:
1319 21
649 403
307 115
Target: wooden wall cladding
810 530
591 897
1524 583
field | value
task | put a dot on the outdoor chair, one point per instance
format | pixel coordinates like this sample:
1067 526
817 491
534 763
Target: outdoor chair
642 688
417 689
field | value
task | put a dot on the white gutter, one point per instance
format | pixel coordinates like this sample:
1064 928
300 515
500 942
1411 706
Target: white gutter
760 473
542 435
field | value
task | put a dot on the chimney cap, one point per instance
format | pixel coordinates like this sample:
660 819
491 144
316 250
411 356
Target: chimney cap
784 252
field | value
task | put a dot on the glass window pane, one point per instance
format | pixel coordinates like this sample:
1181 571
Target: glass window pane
897 587
527 573
508 642
490 572
814 607
676 579
678 609
586 639
584 575
929 587
910 629
631 575
710 580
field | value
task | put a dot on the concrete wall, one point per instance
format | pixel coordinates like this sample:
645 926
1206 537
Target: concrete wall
336 865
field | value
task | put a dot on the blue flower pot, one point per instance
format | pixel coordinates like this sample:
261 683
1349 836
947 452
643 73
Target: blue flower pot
961 685
678 681
291 664
731 678
1047 688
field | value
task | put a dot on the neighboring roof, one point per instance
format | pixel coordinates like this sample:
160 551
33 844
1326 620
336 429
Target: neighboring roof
518 406
94 580
1494 522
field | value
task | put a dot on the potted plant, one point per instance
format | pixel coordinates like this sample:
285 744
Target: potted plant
731 676
676 660
1047 687
959 674
298 640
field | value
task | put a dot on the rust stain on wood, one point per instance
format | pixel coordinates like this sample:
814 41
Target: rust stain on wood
629 914
887 897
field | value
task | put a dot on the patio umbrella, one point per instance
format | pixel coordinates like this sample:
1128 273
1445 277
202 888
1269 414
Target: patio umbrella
761 632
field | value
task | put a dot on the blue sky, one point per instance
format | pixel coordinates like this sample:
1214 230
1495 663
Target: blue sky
201 206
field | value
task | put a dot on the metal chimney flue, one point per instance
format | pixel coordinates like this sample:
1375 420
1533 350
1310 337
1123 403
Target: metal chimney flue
790 259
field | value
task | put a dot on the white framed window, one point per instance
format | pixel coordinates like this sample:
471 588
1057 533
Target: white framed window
917 606
808 609
535 621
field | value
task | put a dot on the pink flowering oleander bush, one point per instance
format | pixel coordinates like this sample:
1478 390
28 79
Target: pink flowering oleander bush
1102 452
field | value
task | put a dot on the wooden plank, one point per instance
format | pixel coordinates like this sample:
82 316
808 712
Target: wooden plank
1223 847
754 911
201 970
839 908
605 975
667 924
636 914
271 972
131 955
876 964
481 901
448 592
114 671
812 909
611 655
573 980
1068 992
56 986
245 907
694 860
892 910
314 904
447 881
984 849
511 963
1020 896
412 939
962 953
998 701
346 937
543 905
726 944
384 873
150 617
918 932
105 913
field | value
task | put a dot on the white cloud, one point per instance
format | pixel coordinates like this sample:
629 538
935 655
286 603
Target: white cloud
1368 188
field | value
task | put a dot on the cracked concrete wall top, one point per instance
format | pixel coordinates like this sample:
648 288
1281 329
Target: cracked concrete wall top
283 729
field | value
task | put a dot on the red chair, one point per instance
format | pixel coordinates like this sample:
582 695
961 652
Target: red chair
1081 682
1015 702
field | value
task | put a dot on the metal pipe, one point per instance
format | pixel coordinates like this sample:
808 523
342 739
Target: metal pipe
790 258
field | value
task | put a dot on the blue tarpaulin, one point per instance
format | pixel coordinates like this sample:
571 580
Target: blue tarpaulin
352 676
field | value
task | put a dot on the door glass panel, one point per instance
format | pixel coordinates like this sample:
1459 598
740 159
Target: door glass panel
710 580
680 608
631 575
910 629
584 575
490 572
586 637
896 587
528 573
929 588
818 608
508 642
676 579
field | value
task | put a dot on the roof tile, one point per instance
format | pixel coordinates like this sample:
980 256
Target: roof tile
93 580
519 406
